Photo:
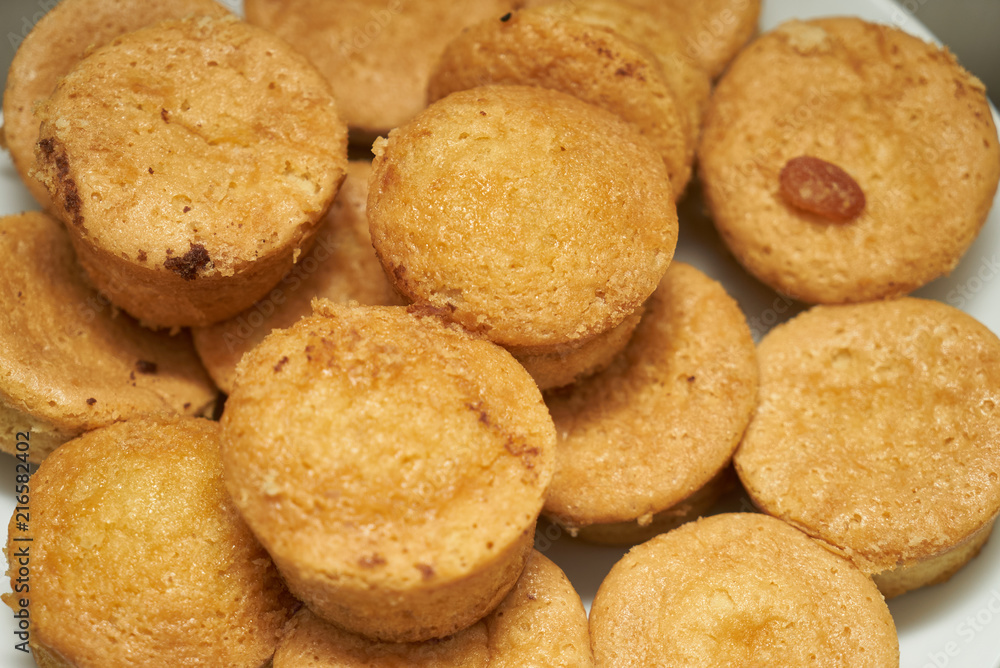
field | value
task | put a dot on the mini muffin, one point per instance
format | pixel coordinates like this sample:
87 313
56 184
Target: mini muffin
228 152
541 622
645 445
552 368
393 466
655 31
69 362
524 214
739 590
58 42
598 51
845 161
377 55
139 558
713 31
341 267
878 433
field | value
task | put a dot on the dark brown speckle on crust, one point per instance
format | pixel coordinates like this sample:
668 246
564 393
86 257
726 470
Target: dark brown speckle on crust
426 571
188 264
65 185
91 401
146 367
371 560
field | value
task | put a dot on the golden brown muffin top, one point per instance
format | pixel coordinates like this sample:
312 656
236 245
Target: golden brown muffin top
523 214
69 357
58 42
341 267
541 622
712 31
739 590
196 147
376 54
877 430
899 116
579 51
384 448
656 31
139 558
667 414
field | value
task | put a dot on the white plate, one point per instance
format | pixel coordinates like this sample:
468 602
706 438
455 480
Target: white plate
954 625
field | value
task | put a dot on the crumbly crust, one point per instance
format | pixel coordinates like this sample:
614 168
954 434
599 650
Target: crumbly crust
541 622
341 267
392 465
227 152
138 556
377 54
712 31
664 419
55 45
71 362
522 213
900 116
739 590
565 365
877 429
582 51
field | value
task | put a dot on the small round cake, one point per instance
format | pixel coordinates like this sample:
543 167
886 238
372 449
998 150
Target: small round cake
55 45
564 366
598 51
69 361
645 445
878 433
524 214
139 558
712 31
341 267
393 466
541 622
845 161
377 54
227 152
739 590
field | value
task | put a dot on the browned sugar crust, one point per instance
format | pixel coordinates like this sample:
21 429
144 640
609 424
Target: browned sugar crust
541 622
392 465
711 32
377 54
55 45
191 162
739 590
522 213
585 50
340 267
664 419
139 558
70 361
877 429
900 116
565 365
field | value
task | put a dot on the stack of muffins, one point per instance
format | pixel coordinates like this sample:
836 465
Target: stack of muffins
421 355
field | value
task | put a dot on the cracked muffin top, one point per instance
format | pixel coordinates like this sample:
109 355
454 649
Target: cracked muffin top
524 214
194 149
